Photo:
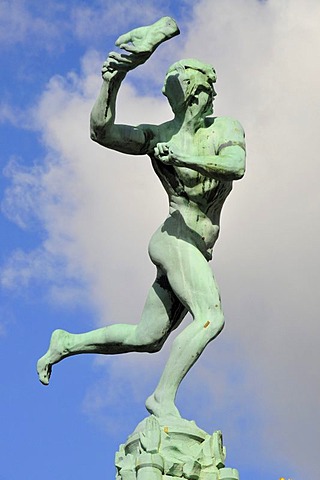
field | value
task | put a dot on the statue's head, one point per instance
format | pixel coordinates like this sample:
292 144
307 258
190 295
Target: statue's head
189 81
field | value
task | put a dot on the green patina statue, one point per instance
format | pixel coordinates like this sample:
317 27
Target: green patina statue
196 157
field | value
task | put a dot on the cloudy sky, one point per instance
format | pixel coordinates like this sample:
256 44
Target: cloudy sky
76 219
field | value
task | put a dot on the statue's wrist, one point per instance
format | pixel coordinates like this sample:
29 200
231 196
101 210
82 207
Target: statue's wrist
114 76
166 28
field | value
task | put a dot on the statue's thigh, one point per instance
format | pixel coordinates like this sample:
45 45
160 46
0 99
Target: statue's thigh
162 312
192 279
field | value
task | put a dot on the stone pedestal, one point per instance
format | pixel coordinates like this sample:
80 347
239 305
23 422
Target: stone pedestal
157 450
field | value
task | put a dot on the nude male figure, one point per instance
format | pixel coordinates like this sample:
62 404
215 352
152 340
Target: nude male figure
196 157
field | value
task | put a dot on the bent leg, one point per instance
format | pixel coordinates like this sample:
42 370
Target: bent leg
192 280
162 313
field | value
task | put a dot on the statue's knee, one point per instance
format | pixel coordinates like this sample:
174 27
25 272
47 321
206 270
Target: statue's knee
221 323
215 324
147 342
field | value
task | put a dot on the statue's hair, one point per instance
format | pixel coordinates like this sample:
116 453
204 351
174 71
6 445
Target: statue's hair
190 67
193 64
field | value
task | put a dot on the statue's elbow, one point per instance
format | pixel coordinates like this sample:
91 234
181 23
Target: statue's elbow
93 135
94 130
240 168
97 134
239 173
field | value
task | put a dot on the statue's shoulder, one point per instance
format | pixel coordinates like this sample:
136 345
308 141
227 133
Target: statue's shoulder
224 123
226 129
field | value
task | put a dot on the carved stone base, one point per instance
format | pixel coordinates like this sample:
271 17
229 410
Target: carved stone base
167 451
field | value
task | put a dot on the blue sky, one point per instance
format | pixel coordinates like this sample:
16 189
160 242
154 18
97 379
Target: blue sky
75 228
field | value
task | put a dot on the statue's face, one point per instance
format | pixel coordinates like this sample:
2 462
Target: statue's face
174 89
206 98
180 86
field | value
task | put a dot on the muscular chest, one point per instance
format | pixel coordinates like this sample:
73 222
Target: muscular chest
183 179
201 144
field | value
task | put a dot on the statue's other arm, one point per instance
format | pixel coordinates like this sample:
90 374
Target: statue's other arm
227 164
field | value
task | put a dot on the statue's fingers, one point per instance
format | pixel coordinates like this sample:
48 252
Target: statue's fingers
129 47
153 424
121 62
106 67
119 57
123 39
159 149
163 148
106 63
120 67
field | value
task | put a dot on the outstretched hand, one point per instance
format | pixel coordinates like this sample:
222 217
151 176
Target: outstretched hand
140 43
140 40
144 40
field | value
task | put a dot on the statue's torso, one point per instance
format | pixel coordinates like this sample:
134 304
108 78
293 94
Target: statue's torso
195 200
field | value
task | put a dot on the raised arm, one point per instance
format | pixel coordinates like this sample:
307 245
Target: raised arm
140 43
103 130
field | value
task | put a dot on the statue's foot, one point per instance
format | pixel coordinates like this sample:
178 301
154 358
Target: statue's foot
56 352
162 409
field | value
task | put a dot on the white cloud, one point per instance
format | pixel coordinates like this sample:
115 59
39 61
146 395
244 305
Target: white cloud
8 114
109 17
20 22
100 208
